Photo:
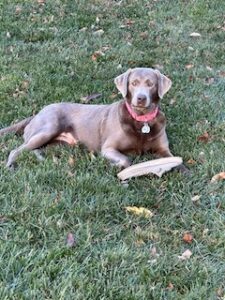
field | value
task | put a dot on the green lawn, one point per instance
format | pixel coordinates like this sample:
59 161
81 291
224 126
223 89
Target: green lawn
48 54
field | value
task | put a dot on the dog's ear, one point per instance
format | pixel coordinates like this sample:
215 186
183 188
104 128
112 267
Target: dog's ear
121 82
164 84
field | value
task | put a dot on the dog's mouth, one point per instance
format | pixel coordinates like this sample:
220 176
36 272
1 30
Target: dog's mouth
143 109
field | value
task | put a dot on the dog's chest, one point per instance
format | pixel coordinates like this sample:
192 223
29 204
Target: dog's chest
137 142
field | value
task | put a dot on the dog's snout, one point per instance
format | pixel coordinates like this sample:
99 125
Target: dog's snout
141 98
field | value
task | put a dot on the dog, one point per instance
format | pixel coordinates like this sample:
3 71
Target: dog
134 125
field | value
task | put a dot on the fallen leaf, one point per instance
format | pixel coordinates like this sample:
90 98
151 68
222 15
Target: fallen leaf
70 240
195 34
41 1
222 73
99 32
201 157
195 198
189 66
187 238
91 97
139 211
129 22
144 35
159 67
218 177
185 255
83 29
205 232
209 68
71 161
220 292
172 101
139 242
170 286
191 48
96 55
203 138
70 174
113 96
25 84
191 161
18 10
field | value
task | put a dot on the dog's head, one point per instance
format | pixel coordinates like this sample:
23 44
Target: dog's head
143 87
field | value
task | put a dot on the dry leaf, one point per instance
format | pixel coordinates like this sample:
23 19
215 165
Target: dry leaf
172 101
70 240
185 255
139 211
70 174
191 161
25 84
222 73
203 138
99 32
209 68
71 161
156 166
218 177
139 242
170 286
196 198
96 55
144 35
195 34
187 238
220 292
41 1
189 66
113 96
127 23
159 67
91 97
18 10
83 29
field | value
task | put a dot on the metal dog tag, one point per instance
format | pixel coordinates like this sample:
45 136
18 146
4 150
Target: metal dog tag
145 128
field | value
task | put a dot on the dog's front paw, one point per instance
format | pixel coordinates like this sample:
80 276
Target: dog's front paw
121 163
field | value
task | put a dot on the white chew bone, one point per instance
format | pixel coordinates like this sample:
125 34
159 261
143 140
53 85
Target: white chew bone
156 166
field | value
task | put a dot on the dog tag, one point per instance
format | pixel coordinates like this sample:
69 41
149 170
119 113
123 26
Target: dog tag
145 128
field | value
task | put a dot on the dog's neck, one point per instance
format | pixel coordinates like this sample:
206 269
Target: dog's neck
148 117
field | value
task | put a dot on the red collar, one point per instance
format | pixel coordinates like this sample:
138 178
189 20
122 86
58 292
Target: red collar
142 118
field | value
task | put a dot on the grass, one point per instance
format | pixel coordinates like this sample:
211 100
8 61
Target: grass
46 56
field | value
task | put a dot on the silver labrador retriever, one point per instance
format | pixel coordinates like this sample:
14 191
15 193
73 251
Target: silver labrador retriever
132 125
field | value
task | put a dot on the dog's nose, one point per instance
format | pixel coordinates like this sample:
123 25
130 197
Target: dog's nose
141 99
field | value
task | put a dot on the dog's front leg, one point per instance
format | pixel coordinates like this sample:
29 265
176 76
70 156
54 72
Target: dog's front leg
161 149
115 157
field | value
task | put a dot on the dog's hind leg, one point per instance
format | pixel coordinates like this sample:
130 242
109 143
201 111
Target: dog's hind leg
34 143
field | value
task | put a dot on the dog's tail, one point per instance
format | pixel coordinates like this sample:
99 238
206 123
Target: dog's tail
16 128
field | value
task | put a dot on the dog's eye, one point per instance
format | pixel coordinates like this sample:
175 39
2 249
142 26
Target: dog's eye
149 83
135 82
